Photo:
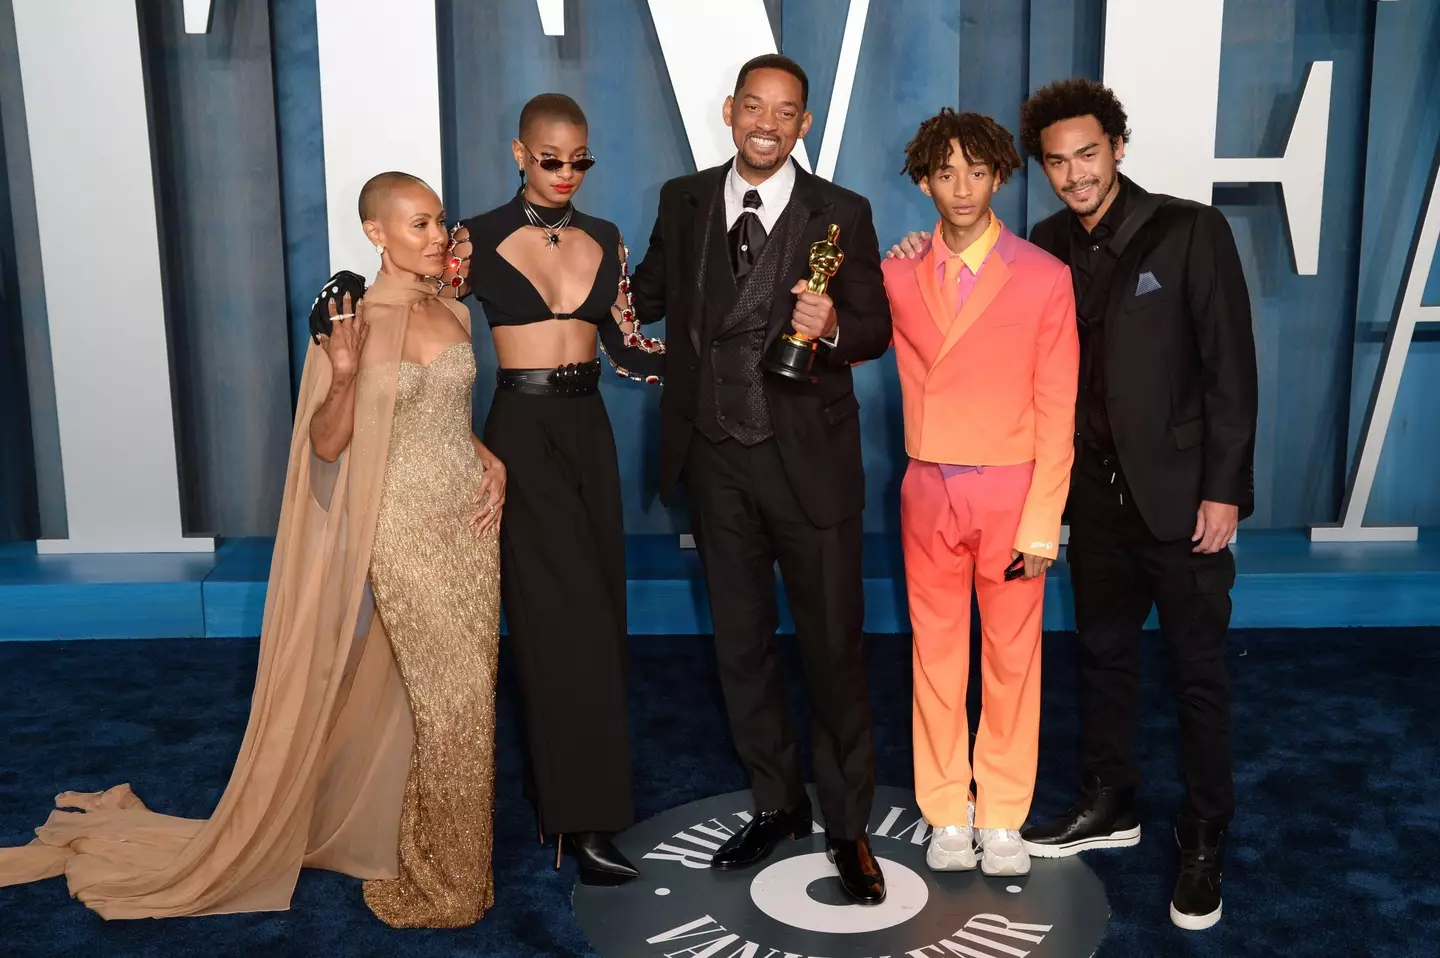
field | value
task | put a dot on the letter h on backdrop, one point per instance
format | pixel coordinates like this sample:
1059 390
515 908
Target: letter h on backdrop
1166 88
1171 91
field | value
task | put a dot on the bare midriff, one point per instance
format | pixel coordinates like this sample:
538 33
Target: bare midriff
544 345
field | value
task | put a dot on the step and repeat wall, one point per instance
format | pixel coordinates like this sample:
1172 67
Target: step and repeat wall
179 176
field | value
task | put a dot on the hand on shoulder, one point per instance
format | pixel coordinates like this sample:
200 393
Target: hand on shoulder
911 246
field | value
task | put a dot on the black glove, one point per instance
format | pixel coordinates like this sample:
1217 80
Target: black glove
335 289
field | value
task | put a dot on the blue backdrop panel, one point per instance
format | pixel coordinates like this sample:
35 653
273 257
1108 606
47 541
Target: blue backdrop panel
1404 140
212 112
19 512
1302 323
241 174
496 57
30 474
301 145
1066 39
909 67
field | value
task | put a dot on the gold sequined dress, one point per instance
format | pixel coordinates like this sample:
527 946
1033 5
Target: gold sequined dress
437 590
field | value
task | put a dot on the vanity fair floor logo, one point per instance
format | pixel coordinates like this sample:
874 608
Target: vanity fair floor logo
791 906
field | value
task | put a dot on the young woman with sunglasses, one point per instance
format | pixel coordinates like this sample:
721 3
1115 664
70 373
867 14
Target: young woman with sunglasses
548 277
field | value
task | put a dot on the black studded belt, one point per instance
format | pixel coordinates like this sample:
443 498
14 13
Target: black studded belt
572 379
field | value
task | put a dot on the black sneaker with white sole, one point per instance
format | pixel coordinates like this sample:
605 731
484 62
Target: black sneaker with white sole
1195 904
1103 818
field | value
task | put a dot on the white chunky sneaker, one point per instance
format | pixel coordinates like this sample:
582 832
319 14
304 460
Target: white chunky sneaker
952 847
1003 852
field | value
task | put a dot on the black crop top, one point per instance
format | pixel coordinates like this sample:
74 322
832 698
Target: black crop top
510 299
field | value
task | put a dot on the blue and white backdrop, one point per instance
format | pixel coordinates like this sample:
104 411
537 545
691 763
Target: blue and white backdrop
180 175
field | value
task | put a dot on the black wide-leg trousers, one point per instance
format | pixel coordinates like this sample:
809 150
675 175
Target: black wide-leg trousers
746 517
562 584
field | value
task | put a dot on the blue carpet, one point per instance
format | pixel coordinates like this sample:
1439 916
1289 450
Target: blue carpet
1332 853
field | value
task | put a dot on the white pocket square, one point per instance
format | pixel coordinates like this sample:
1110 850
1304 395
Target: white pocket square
1148 284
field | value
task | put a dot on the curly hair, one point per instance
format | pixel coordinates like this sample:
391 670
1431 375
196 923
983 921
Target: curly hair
1067 100
982 140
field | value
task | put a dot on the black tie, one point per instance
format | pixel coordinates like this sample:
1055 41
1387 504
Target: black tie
747 236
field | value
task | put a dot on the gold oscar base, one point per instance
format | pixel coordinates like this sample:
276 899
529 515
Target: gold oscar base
791 357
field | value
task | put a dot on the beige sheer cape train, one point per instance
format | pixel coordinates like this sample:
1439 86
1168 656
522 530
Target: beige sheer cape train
321 773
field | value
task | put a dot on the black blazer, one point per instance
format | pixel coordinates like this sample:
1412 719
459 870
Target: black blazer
817 426
1180 378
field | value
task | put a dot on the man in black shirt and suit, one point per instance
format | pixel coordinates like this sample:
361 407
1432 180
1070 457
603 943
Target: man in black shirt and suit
1164 454
1165 425
773 465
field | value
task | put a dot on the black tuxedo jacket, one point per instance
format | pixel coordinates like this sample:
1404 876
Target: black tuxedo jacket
1180 378
817 426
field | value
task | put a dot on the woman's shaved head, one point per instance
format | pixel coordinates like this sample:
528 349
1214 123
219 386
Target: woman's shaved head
375 194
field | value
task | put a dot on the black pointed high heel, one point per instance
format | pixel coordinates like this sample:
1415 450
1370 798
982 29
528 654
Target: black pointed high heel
600 862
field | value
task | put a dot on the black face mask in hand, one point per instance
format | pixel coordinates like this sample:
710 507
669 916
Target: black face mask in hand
335 289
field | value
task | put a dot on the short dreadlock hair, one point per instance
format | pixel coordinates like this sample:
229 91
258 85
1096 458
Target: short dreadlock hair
982 140
1067 100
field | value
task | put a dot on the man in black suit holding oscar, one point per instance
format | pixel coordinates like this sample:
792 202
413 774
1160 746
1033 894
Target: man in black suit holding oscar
766 437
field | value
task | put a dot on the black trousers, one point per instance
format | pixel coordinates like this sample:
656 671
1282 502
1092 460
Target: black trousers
1118 570
562 584
746 517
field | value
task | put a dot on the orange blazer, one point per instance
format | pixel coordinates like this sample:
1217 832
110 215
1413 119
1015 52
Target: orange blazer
995 384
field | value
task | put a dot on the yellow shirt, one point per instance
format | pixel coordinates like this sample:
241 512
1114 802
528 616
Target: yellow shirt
954 287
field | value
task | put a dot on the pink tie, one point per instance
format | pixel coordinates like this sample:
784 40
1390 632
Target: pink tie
950 288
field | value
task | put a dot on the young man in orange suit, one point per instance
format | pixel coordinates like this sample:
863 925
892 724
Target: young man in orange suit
986 348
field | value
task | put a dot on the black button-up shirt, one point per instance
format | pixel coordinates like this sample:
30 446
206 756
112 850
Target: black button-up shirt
1091 262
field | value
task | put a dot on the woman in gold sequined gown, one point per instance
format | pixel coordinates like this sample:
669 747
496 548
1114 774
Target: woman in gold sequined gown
370 744
435 572
437 590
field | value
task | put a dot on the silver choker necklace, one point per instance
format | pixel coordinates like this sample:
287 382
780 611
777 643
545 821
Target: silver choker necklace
551 230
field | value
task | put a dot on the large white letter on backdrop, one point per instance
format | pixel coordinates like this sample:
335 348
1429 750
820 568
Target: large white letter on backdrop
705 42
1409 313
357 100
1171 92
94 180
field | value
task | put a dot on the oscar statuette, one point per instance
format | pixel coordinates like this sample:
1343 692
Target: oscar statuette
793 355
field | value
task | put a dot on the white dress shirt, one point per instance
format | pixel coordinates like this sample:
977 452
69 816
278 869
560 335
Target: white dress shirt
774 195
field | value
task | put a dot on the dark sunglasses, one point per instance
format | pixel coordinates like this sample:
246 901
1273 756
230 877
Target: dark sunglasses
553 164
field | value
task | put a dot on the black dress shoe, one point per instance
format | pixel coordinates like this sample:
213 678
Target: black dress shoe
1195 905
761 834
600 861
859 871
1102 818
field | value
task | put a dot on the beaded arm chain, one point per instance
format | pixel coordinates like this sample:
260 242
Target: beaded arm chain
452 278
633 338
